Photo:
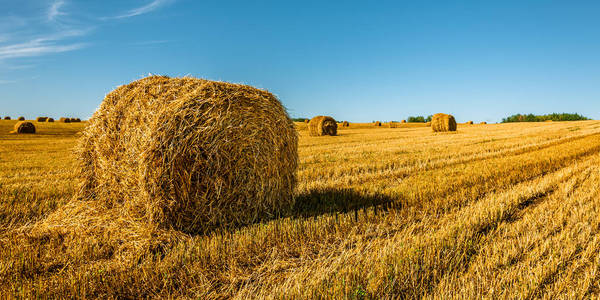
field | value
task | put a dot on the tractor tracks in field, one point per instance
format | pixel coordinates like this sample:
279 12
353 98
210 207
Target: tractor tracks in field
531 237
360 176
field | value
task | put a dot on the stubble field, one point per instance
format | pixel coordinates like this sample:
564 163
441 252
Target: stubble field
499 210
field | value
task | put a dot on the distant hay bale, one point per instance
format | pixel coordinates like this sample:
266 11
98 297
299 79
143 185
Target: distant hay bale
7 118
74 120
322 125
21 118
41 119
64 120
483 123
24 127
470 123
345 124
548 121
403 121
443 122
428 124
50 120
306 121
377 123
189 154
392 124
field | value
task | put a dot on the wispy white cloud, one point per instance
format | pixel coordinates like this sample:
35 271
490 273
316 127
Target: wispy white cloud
18 67
39 46
25 50
155 4
18 40
9 81
54 10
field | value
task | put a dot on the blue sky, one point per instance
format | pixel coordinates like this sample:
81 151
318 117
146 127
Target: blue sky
353 60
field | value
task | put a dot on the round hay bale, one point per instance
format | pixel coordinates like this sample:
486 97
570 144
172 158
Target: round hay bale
7 118
322 125
443 122
64 120
345 124
190 154
24 127
21 118
50 120
377 123
41 119
306 121
483 123
548 121
428 124
403 121
392 124
470 123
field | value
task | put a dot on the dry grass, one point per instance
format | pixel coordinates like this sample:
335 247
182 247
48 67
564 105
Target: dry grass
201 155
23 127
443 123
322 125
493 211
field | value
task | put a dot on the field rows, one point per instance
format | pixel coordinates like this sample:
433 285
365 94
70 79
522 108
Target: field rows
507 210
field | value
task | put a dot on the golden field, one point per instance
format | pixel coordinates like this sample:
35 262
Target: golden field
493 211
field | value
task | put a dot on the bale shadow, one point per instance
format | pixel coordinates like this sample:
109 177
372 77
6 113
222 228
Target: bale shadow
314 203
331 200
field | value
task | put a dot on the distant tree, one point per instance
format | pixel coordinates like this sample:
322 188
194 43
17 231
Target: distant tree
299 119
541 118
417 119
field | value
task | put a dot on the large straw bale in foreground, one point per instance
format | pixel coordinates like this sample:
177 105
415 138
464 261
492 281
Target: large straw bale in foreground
322 125
24 127
443 122
190 154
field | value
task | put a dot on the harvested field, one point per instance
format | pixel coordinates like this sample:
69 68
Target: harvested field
491 211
